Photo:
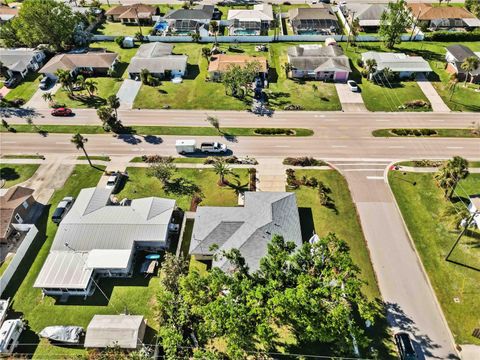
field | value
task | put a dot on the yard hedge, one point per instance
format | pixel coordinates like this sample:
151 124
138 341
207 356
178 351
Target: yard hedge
453 36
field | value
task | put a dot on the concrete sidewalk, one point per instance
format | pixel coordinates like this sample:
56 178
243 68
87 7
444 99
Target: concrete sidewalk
435 100
271 175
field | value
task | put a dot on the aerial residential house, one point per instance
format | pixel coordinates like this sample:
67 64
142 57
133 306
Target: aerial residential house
15 207
221 63
91 63
124 331
474 209
158 59
368 15
318 20
248 228
7 13
188 21
455 56
132 14
443 17
251 22
402 65
20 61
318 62
100 239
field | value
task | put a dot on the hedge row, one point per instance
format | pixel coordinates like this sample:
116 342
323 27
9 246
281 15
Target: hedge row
453 36
414 132
273 131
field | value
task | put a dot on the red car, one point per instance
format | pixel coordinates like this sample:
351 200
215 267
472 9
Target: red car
62 112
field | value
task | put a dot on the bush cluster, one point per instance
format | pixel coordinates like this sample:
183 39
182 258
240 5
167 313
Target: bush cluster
416 104
292 107
414 132
453 36
273 131
156 158
303 161
427 163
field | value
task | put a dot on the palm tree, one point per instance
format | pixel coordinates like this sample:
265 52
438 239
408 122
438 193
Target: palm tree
144 76
65 78
80 81
471 63
79 142
196 37
214 29
452 85
105 115
213 120
114 102
371 66
222 169
91 86
206 52
450 174
47 97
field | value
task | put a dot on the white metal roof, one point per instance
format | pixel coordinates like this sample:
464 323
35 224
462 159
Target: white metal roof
108 259
185 142
397 62
125 331
472 22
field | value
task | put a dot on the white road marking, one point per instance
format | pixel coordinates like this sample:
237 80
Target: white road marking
364 170
437 120
319 116
282 146
454 147
333 120
62 143
9 142
339 146
375 177
382 120
396 147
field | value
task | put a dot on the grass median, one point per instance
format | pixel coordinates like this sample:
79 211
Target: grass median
460 133
150 130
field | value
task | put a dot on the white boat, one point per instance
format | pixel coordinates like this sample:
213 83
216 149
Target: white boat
3 309
9 335
63 334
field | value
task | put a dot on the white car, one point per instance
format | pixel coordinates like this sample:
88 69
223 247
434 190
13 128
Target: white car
113 181
352 85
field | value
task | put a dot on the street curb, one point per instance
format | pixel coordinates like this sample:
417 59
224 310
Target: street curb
439 307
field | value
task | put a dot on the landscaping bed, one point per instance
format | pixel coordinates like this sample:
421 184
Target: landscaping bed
463 133
423 208
16 173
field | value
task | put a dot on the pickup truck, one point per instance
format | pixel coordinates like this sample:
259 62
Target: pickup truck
213 147
190 147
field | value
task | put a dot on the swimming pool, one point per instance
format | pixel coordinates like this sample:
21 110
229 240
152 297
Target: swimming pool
161 26
246 32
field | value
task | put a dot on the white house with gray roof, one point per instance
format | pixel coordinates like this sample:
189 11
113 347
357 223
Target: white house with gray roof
158 59
401 64
97 238
248 228
20 61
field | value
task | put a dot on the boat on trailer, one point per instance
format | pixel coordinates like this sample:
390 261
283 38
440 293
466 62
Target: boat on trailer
62 334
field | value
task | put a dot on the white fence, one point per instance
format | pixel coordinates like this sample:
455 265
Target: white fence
17 258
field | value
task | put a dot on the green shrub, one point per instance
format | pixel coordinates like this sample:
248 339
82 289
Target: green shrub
453 36
303 161
414 132
273 131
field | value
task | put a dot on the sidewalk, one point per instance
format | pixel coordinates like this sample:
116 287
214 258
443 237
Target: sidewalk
435 100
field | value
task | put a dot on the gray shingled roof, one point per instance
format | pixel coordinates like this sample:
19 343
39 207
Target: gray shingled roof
460 52
318 58
93 224
17 59
312 13
367 12
397 62
198 13
248 228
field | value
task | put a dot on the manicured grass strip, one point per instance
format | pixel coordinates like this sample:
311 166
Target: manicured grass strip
22 156
16 173
464 133
101 158
150 130
423 208
182 160
471 164
5 264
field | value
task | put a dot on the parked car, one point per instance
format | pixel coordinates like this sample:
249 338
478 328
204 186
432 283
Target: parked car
352 85
62 112
213 147
62 209
405 346
114 181
44 83
12 82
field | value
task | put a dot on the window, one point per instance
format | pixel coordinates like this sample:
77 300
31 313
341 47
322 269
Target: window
18 218
25 204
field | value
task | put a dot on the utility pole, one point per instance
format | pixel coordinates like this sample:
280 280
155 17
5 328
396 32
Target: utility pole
138 22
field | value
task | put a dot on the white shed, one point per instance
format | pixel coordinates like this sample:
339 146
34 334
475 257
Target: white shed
125 331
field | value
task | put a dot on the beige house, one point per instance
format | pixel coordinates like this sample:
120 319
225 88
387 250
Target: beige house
132 14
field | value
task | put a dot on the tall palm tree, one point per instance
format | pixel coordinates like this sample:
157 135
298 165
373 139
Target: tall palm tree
222 169
105 115
206 52
79 141
80 81
214 28
452 85
47 97
65 79
471 63
450 174
114 102
91 86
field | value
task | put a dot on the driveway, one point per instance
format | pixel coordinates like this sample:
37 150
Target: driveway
437 103
351 101
128 92
37 102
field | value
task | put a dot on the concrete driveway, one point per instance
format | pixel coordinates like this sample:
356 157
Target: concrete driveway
351 101
37 102
437 102
128 92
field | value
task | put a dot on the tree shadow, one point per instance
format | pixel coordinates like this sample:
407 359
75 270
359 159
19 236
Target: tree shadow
129 139
90 101
181 186
9 174
193 70
272 75
7 112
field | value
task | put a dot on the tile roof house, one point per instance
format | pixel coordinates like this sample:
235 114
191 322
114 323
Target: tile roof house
20 61
251 22
443 17
158 59
318 20
124 331
132 14
221 63
319 62
15 206
248 228
455 56
7 13
368 15
187 21
98 63
401 64
97 238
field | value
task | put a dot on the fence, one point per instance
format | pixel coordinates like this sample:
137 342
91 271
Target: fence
17 258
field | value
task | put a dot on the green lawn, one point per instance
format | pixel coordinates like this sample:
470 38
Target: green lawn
5 264
101 158
346 225
26 88
22 156
382 98
119 29
422 208
139 185
196 93
16 173
28 302
106 86
179 160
